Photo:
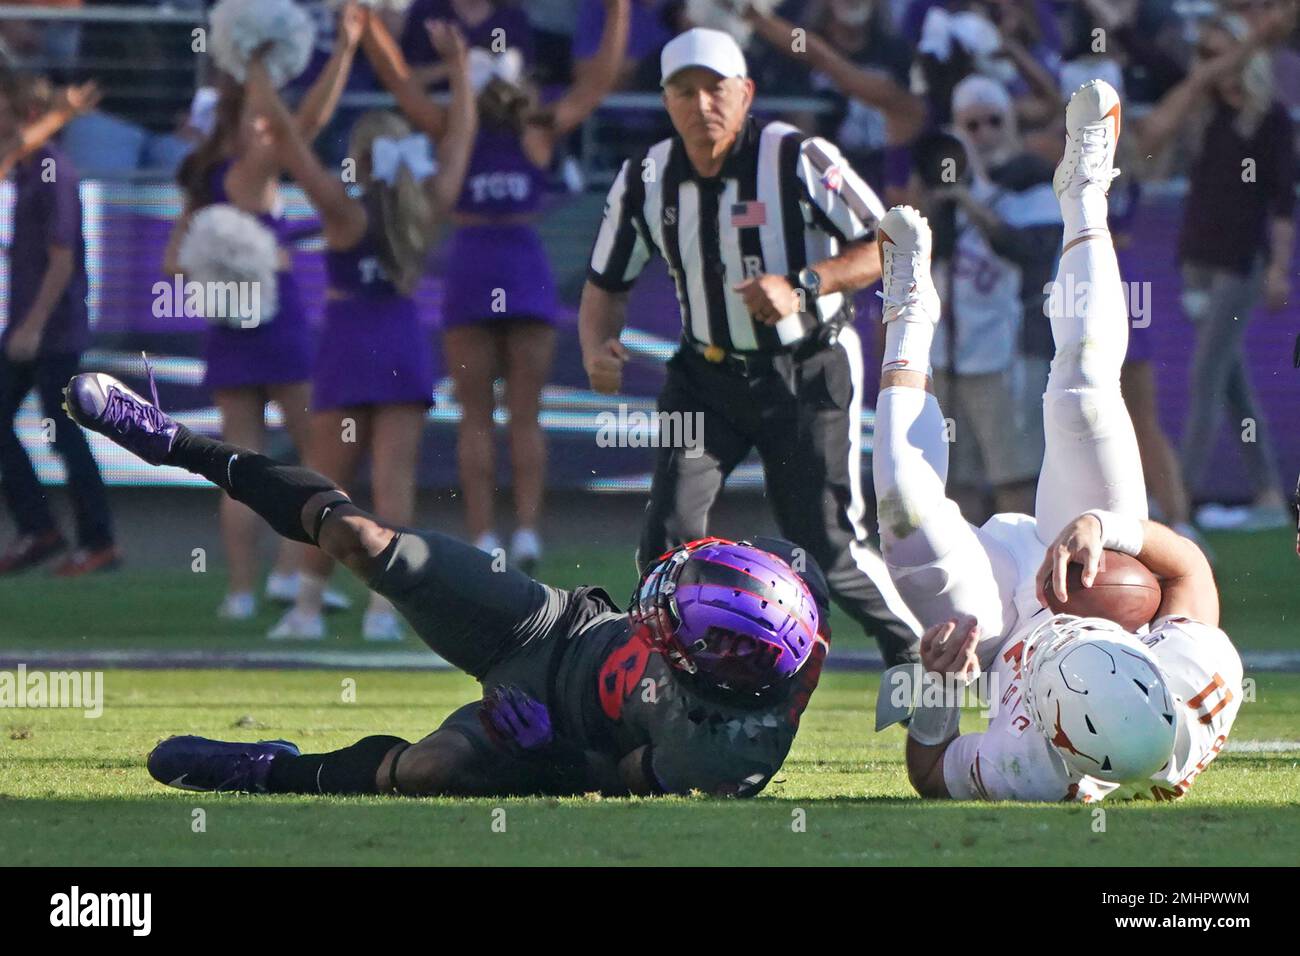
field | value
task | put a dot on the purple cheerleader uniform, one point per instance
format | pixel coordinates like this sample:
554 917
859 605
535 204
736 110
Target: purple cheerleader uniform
278 351
372 349
498 271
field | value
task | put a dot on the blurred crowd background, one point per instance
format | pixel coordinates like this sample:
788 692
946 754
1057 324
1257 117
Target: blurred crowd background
953 105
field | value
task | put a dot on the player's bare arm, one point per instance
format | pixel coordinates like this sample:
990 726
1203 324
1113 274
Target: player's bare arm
1186 579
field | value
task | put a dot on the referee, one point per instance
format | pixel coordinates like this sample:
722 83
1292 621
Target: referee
766 232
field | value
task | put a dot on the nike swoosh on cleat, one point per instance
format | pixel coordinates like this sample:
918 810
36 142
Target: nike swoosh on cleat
180 784
1114 112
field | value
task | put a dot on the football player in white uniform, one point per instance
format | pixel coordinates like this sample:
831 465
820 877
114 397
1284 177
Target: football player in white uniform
1084 709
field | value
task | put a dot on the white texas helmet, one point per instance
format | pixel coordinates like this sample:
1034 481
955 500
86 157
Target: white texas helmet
1095 692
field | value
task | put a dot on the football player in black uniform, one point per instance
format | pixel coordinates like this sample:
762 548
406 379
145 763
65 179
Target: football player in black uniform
698 687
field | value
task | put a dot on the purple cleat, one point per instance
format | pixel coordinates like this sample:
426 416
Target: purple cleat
197 763
101 403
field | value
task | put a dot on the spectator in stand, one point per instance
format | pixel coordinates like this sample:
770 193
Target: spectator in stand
46 329
1236 241
52 44
1276 22
1015 42
1142 38
862 67
992 350
1031 42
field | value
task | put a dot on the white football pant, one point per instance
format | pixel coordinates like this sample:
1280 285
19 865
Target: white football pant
945 567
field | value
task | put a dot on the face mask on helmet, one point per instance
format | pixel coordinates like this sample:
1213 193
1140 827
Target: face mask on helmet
1094 691
728 611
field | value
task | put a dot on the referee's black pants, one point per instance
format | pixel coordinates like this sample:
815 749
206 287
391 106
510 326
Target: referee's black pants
803 415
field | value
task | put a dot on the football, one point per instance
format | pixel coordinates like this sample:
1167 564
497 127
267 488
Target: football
1124 592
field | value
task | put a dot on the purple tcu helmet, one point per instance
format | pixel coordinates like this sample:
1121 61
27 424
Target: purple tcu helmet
727 610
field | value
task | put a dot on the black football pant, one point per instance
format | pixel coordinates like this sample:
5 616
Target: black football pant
803 416
25 496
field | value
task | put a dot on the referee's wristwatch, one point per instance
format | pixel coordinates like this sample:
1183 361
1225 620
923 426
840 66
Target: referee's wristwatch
809 282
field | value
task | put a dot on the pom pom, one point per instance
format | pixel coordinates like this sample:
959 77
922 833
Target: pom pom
727 16
229 260
238 27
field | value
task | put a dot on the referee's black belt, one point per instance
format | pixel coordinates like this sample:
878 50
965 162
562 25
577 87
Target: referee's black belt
756 363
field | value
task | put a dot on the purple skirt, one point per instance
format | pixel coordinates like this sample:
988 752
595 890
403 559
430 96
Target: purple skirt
494 273
372 351
275 353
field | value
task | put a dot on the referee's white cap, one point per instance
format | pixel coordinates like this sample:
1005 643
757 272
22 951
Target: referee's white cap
711 49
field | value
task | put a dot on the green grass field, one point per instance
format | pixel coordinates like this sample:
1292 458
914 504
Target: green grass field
74 790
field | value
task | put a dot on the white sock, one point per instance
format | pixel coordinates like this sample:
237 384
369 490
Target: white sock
379 604
907 346
311 594
1085 214
487 542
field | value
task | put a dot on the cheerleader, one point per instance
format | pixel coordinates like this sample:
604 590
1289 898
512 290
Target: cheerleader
500 299
238 164
372 382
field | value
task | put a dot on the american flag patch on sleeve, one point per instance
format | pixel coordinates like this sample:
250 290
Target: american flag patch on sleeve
747 215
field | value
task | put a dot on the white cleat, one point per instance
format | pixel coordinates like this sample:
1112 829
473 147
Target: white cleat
382 626
298 627
1092 123
905 245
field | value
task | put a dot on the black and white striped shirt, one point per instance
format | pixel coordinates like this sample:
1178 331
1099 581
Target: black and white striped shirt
782 201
